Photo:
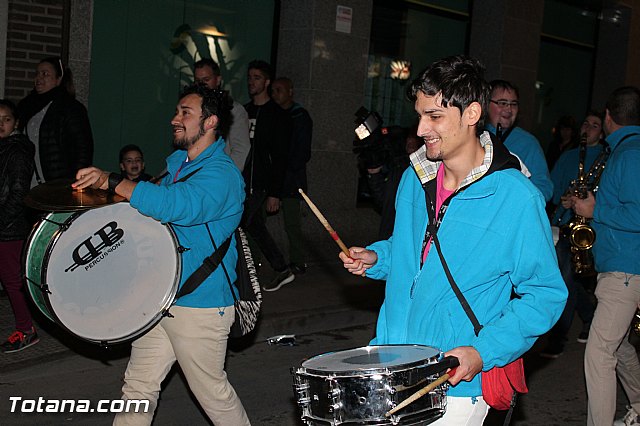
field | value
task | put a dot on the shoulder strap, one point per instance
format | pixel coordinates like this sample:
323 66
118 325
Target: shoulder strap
209 265
432 232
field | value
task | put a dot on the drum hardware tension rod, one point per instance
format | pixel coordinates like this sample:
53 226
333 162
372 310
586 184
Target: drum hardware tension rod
425 390
62 226
183 249
43 287
167 314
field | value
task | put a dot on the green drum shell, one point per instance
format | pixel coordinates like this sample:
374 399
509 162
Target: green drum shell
37 245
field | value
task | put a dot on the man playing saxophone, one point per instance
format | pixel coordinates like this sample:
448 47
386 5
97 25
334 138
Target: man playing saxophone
577 166
616 220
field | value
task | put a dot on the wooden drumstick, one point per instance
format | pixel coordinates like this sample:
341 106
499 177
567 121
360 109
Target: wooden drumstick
425 390
325 222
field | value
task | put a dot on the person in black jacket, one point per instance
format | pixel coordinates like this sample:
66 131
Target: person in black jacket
264 171
296 173
16 168
56 123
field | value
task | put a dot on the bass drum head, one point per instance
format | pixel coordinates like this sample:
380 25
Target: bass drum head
112 273
372 359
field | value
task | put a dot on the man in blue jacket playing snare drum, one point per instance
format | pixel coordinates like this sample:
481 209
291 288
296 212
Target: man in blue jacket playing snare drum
495 238
211 197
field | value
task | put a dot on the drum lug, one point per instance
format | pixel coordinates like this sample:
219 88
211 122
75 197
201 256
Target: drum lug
167 314
45 288
183 249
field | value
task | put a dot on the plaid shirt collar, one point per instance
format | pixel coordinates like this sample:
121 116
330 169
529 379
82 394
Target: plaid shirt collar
427 170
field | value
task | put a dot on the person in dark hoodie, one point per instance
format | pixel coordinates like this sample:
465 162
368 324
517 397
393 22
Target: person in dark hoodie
56 123
16 168
495 238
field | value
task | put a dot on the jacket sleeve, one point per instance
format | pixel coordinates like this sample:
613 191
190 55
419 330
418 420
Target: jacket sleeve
17 183
239 143
78 136
212 193
301 141
278 151
540 291
627 212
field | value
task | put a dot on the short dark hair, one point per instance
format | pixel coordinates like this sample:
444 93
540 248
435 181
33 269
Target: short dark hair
460 80
594 113
262 66
624 106
214 102
208 62
504 85
129 148
11 106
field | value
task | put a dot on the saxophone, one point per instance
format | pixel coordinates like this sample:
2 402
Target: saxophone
581 235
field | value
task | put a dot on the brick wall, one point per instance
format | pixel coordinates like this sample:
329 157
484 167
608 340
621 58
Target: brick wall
35 30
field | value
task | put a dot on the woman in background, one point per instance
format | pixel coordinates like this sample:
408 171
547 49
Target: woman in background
56 123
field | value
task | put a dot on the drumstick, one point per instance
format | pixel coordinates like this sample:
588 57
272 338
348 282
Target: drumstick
425 390
324 221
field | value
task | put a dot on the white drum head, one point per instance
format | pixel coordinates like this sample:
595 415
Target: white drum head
371 358
111 273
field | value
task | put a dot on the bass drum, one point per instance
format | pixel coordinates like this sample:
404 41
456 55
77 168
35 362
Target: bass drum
358 386
106 275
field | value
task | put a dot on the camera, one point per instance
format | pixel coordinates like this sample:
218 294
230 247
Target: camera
376 145
382 158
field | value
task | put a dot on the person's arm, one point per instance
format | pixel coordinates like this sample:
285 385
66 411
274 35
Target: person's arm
239 143
537 282
626 216
18 174
78 136
278 151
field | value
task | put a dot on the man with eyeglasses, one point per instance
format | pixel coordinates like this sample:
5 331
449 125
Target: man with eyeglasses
503 112
132 164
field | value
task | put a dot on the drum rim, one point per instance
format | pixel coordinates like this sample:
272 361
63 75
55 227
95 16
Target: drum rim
170 300
374 370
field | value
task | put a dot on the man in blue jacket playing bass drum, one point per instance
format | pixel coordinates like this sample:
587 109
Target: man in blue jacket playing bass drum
196 332
495 239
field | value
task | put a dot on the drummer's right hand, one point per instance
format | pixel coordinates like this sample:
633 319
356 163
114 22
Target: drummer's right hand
359 261
91 177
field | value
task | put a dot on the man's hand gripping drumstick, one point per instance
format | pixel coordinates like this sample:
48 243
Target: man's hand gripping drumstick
356 259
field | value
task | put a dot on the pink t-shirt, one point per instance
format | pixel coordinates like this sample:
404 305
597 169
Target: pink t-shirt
441 195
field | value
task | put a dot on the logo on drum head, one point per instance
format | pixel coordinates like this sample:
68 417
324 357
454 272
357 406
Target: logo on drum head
86 252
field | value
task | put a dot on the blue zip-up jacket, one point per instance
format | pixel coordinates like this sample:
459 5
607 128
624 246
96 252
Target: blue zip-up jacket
527 148
616 216
565 171
213 194
495 237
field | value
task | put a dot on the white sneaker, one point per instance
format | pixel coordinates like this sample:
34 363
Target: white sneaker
630 419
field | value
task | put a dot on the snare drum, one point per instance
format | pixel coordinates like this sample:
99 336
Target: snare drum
360 385
106 275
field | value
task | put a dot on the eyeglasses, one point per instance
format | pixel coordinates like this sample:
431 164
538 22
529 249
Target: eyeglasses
504 104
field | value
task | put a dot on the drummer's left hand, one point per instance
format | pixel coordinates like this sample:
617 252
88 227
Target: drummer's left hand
91 177
470 363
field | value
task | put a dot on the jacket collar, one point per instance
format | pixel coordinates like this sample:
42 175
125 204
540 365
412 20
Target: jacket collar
177 159
616 137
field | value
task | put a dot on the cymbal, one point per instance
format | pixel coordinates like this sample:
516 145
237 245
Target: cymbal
57 195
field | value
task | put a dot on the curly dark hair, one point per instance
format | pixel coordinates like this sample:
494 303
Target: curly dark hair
214 102
460 80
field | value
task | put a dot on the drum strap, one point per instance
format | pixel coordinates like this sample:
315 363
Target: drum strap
209 265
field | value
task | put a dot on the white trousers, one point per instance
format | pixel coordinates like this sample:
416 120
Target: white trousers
197 339
463 411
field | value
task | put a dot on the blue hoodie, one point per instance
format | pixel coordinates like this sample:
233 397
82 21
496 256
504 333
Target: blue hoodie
496 238
213 194
527 148
616 216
